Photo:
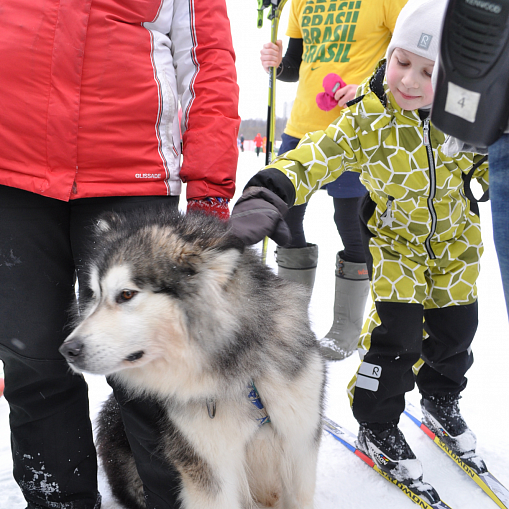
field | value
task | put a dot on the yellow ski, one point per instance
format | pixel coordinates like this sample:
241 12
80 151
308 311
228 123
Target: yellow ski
422 494
472 465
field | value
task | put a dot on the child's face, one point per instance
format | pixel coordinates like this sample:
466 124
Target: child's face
409 79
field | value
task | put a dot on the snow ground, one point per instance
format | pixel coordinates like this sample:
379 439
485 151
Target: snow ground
343 481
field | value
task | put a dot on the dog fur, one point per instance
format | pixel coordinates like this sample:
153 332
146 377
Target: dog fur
184 314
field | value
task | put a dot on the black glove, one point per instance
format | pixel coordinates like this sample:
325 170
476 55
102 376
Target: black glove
259 213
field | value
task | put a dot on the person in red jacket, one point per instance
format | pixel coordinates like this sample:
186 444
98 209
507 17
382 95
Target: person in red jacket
89 123
258 143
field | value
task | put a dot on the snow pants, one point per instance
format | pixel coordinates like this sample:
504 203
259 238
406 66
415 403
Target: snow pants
42 247
410 292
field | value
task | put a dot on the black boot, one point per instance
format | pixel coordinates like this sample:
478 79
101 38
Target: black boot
441 415
387 447
385 444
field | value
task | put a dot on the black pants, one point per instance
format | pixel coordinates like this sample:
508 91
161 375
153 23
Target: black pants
386 374
346 217
43 245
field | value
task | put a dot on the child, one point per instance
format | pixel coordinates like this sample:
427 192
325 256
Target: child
423 240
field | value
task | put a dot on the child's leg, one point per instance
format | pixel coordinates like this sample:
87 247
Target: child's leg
392 336
451 315
447 356
451 322
385 374
446 351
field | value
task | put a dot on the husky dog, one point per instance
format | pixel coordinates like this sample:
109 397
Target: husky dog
183 313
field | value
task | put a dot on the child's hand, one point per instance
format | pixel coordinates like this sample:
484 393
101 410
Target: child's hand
260 213
271 54
345 94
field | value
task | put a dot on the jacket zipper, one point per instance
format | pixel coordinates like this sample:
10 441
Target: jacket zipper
432 188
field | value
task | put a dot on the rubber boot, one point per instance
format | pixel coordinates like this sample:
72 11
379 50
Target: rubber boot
352 290
298 264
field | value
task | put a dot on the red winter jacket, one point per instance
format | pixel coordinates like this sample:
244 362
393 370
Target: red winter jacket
90 91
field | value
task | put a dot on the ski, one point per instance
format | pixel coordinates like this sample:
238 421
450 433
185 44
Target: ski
426 497
473 464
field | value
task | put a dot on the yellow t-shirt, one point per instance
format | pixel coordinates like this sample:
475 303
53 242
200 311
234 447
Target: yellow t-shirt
344 37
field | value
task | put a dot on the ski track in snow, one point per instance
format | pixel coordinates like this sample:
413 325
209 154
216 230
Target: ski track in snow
343 481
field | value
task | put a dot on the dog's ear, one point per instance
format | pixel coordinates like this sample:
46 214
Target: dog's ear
107 221
219 268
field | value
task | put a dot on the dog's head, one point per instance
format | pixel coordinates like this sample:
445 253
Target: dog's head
147 274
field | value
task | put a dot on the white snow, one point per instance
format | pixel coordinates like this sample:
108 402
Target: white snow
345 482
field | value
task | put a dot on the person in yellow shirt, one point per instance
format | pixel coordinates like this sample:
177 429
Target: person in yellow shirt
347 38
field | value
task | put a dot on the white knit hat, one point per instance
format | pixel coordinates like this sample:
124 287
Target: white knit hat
418 28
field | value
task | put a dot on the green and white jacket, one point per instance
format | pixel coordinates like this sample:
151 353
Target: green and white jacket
418 190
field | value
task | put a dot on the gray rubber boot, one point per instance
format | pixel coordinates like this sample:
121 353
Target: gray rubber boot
298 264
352 290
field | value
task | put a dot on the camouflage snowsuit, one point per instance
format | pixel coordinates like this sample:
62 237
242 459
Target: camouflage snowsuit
424 245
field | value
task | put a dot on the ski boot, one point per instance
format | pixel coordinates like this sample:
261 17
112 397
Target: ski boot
441 414
387 447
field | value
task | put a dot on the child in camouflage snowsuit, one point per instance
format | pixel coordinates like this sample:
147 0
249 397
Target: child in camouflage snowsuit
421 232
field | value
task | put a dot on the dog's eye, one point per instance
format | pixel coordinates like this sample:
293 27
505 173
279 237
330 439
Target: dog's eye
125 295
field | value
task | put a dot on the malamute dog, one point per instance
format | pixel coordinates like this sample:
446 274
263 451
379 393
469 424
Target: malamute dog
184 313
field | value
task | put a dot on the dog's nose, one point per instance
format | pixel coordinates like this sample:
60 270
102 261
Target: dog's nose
72 349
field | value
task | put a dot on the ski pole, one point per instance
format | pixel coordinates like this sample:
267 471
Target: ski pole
259 21
274 16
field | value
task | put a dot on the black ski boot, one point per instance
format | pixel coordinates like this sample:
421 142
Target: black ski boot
441 414
387 447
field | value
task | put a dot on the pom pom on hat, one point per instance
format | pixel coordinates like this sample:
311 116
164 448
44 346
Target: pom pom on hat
331 84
